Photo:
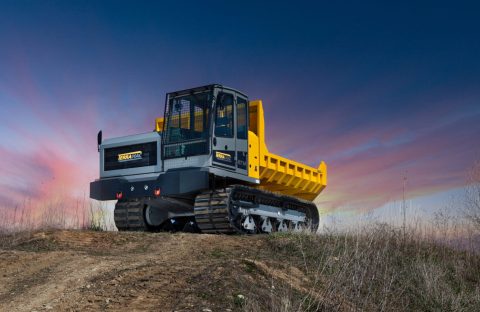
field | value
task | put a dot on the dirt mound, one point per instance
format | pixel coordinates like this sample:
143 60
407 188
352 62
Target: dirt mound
377 269
91 271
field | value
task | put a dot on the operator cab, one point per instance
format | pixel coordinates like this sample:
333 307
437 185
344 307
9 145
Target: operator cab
208 125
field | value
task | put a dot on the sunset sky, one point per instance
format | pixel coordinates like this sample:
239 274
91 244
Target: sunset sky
376 90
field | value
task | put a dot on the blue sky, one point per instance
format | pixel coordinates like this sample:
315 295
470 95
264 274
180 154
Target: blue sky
373 88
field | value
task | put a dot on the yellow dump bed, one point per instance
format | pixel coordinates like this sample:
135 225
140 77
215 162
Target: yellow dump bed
276 173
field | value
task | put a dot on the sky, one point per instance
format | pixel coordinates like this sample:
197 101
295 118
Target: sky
379 91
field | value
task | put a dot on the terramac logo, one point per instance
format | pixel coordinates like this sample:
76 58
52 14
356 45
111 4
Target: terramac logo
223 156
130 156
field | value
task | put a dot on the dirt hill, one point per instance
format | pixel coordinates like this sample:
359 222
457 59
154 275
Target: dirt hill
97 271
92 271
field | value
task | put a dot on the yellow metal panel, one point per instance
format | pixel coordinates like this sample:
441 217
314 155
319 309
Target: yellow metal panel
276 173
253 156
159 124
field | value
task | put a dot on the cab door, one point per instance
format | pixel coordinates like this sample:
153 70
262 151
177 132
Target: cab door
241 134
223 141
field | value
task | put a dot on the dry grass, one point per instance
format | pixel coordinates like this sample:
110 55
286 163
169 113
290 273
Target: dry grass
472 196
22 220
375 269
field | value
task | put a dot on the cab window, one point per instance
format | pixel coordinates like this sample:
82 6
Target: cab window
241 118
224 116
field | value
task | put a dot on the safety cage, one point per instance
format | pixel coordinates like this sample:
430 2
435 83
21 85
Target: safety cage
186 129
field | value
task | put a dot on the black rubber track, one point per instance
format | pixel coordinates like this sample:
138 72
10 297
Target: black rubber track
129 215
211 212
215 211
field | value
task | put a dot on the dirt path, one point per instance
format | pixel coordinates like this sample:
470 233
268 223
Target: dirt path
100 271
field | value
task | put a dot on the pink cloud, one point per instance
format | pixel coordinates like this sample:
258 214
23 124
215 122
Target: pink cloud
436 161
41 176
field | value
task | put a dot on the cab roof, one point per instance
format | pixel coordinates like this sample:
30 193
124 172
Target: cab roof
205 88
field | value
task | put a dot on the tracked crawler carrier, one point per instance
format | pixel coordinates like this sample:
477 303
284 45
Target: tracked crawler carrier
206 168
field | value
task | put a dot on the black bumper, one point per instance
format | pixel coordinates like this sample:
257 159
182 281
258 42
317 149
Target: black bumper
170 183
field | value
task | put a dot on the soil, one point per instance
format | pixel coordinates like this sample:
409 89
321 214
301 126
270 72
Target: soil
128 271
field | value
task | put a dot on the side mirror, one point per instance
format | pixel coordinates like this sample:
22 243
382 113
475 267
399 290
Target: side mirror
99 139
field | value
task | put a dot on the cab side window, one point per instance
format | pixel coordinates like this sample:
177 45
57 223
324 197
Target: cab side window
224 116
242 118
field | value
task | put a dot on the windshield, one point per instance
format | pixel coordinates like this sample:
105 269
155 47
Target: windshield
187 125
